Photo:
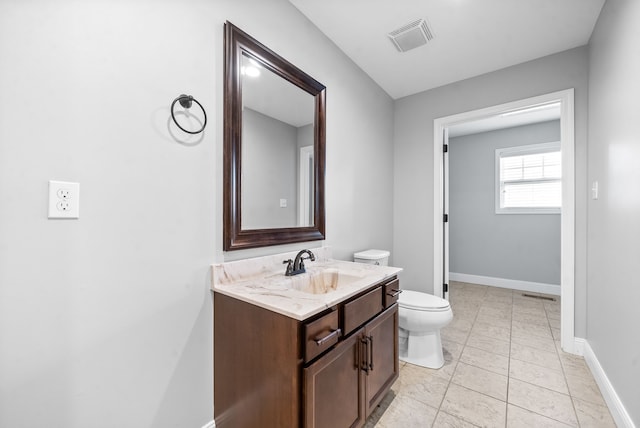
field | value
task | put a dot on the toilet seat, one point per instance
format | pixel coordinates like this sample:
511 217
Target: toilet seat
418 301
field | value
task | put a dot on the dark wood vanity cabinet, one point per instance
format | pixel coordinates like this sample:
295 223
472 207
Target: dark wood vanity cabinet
331 370
346 384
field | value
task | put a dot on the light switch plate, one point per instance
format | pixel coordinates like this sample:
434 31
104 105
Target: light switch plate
64 199
283 203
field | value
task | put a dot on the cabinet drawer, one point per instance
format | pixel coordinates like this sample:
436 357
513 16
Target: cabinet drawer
391 292
362 309
320 335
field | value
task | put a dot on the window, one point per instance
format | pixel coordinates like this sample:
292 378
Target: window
529 179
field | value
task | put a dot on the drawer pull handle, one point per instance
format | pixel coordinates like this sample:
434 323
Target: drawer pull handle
394 293
335 333
365 354
371 353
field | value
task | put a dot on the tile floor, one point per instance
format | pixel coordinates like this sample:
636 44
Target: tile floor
504 368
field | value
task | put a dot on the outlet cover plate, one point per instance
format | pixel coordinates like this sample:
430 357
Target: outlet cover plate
64 199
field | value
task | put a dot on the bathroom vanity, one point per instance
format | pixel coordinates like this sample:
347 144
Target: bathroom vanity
318 349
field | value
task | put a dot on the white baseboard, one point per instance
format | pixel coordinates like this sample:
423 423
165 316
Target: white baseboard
535 287
578 346
617 409
210 424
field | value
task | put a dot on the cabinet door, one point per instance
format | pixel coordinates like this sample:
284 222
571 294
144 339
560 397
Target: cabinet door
382 368
333 390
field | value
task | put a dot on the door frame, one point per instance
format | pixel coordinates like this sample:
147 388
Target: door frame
305 184
567 222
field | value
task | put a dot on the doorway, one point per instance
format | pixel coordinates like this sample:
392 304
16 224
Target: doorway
567 240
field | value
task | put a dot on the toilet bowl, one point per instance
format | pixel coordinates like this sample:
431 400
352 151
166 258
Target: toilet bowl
421 316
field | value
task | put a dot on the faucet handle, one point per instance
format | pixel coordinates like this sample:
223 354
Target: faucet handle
289 264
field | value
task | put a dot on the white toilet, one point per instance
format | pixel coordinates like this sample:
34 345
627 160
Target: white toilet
372 257
421 316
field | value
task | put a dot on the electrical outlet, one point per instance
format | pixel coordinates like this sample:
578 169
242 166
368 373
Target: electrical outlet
283 203
63 193
64 199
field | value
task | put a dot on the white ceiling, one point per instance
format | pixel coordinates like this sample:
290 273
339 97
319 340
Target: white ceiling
472 37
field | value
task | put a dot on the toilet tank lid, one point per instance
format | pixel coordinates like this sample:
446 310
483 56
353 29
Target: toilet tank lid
421 301
372 254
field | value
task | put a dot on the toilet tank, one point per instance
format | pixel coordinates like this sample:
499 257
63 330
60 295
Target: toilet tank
372 257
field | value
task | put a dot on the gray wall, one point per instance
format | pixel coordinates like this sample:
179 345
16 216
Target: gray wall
413 156
524 247
269 171
106 321
614 218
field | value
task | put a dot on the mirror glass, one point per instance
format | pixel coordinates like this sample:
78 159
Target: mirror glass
274 147
277 150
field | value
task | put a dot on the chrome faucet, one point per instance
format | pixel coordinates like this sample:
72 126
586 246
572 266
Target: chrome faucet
296 266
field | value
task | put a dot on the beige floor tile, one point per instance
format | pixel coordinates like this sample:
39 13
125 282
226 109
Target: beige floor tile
488 343
445 420
485 360
527 329
534 356
553 316
407 412
491 302
522 418
522 298
464 310
495 331
543 401
481 380
498 322
528 308
495 313
416 382
475 295
451 352
474 407
585 388
538 375
461 323
454 334
502 298
574 365
530 318
592 415
543 344
553 322
553 306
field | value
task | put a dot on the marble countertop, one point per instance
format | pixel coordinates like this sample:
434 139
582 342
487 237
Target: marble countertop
261 281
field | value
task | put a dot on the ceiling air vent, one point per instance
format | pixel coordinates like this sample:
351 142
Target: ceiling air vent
412 35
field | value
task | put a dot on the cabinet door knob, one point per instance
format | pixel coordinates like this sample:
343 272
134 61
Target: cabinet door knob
335 333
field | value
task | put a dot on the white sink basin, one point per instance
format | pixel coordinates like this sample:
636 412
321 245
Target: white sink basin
322 280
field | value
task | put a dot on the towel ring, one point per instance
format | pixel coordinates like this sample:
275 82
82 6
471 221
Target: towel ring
187 101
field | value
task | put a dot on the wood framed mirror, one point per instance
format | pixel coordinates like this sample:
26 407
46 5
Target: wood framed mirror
274 147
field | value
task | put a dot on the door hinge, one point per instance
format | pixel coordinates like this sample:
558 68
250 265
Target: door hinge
445 288
445 218
445 148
